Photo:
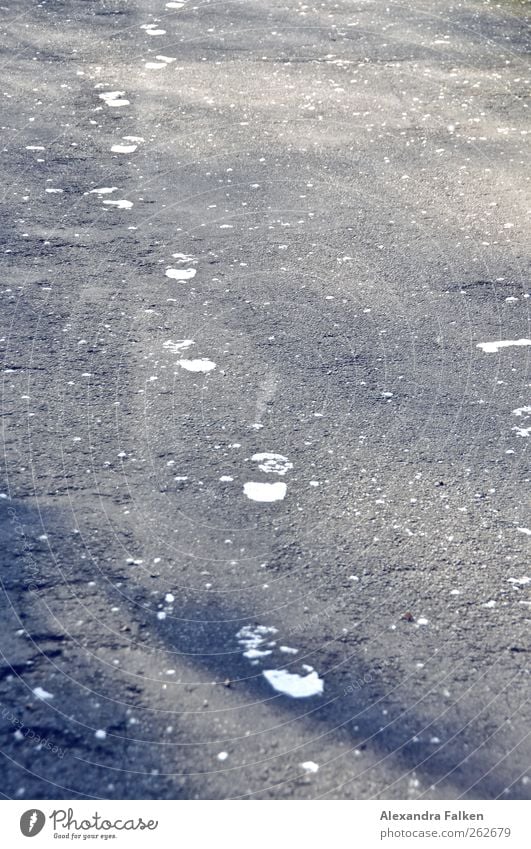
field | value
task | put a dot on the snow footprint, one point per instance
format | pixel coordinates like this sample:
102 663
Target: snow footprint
269 463
257 644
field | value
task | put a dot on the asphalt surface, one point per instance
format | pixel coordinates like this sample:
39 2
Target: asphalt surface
350 183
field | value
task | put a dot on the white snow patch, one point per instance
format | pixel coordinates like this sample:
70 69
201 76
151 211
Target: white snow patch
522 411
54 191
174 5
197 365
524 531
105 190
100 734
294 685
494 347
181 273
272 463
42 694
222 756
34 147
265 491
288 650
523 581
167 59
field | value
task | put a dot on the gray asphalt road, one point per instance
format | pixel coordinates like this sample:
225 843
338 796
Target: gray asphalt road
314 222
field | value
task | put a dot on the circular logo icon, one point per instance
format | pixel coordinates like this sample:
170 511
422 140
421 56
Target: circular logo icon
32 822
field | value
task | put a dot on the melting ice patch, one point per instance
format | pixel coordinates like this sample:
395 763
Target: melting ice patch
254 638
294 685
180 273
272 463
265 492
494 347
179 345
197 365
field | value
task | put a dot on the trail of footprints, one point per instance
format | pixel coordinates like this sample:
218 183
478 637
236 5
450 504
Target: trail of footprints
256 641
